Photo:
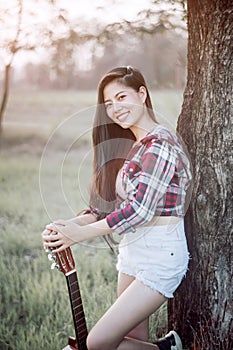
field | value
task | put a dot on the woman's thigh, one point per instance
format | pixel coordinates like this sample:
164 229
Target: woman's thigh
133 306
124 281
140 332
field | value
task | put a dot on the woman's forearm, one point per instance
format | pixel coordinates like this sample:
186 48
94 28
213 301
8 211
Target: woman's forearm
93 230
83 219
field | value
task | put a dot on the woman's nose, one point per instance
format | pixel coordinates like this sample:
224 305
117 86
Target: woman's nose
117 106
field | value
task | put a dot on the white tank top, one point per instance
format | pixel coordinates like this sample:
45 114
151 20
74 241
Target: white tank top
119 185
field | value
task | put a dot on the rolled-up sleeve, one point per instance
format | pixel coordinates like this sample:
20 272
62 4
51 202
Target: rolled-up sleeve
158 166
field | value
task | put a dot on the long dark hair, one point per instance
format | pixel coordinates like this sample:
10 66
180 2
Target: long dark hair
110 141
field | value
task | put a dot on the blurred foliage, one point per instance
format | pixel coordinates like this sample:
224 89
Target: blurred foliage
95 37
76 46
161 57
78 52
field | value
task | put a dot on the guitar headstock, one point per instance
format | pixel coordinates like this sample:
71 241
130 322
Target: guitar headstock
63 260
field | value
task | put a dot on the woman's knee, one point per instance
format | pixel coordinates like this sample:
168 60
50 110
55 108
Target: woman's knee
91 343
98 342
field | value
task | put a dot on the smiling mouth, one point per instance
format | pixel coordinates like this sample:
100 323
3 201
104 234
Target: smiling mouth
122 117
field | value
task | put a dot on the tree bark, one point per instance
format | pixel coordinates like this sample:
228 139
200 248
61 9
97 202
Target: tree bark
202 308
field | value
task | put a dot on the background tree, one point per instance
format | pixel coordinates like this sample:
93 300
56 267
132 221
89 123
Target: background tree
24 30
11 47
202 308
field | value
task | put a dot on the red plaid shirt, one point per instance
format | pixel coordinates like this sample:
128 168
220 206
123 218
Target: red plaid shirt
156 177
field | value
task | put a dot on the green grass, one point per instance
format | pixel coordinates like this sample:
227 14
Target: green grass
34 308
34 302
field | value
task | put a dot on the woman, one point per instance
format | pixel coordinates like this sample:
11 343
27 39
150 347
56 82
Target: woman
141 178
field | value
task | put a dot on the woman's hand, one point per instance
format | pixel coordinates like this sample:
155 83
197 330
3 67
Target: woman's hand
60 235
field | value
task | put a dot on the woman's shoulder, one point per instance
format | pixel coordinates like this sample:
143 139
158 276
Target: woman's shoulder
160 134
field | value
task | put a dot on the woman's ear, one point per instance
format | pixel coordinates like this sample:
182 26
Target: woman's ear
142 93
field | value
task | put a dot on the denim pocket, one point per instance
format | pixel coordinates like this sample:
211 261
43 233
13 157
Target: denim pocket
176 254
170 256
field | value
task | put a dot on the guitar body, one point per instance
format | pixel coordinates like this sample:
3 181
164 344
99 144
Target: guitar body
64 261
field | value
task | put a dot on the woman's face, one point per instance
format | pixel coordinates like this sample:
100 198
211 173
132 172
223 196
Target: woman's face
124 105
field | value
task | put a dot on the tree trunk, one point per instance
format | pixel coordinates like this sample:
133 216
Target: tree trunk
4 95
202 308
13 47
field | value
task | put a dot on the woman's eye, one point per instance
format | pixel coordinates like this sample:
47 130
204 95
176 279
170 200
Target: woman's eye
108 106
121 97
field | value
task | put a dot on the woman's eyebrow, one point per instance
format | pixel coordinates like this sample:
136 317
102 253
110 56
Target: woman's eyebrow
118 93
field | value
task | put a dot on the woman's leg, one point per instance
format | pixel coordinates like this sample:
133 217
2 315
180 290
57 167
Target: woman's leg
133 306
140 332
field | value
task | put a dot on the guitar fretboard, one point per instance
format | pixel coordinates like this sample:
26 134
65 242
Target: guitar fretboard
77 310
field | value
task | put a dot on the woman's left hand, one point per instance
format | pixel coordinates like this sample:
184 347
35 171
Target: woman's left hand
60 235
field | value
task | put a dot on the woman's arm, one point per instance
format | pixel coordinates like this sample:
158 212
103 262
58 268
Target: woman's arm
158 165
62 234
83 219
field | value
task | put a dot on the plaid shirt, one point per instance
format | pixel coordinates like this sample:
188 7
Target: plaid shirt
156 177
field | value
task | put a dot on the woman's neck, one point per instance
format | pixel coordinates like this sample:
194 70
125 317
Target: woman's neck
141 131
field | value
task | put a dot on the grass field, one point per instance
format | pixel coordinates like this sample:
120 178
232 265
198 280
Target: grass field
45 167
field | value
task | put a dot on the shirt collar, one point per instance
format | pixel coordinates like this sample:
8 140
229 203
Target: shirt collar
150 136
157 133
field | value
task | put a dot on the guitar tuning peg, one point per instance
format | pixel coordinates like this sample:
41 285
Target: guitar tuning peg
50 257
53 266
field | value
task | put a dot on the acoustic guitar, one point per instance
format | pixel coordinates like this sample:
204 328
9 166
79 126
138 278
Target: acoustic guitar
64 261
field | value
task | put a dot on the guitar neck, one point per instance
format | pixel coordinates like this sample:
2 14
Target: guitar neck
77 310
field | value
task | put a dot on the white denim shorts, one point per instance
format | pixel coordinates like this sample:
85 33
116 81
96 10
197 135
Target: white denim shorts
157 256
